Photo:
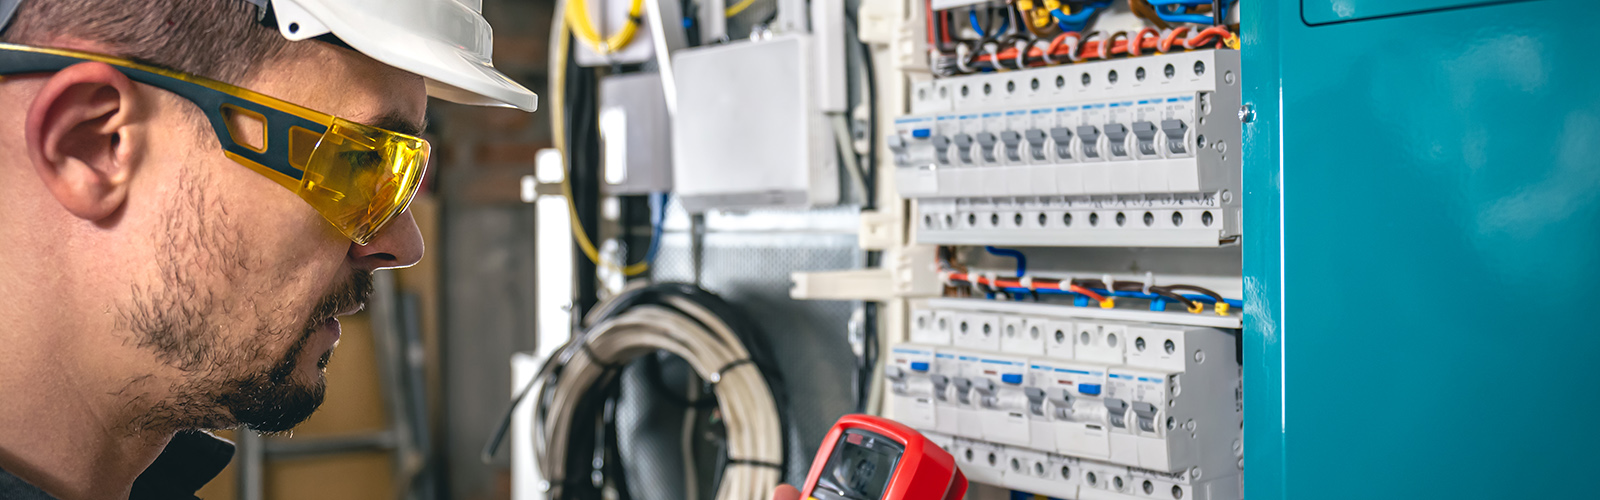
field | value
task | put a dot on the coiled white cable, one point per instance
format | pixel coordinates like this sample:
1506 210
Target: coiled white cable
749 413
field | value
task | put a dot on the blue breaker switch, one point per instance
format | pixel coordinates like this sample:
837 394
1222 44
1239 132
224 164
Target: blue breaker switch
1089 389
1011 378
921 133
919 366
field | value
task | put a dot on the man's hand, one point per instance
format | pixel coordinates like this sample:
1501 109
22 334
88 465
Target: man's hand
785 492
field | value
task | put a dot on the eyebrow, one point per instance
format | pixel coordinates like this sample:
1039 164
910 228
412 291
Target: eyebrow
394 122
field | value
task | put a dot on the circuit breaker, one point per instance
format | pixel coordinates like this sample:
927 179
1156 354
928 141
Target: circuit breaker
1075 155
1125 406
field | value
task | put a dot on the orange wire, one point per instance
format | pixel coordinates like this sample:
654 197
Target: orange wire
1086 292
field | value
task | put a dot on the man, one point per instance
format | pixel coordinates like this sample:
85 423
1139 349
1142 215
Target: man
176 245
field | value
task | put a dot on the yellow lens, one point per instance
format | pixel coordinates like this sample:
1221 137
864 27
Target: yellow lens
360 177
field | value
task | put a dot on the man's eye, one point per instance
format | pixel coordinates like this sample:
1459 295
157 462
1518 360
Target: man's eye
362 159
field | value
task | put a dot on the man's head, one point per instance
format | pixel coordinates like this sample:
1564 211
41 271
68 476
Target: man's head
203 287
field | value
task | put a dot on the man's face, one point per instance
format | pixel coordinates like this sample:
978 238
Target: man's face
241 280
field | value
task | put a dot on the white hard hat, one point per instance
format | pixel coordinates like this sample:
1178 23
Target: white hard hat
445 41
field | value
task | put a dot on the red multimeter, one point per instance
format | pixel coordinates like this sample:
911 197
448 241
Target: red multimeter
870 458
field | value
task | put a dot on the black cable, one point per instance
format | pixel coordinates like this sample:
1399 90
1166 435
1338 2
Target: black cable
869 169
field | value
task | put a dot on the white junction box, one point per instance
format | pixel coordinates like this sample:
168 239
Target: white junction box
1134 152
749 131
635 134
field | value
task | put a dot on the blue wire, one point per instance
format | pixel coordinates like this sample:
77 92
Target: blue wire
658 218
1132 295
1167 10
1078 19
972 18
1022 260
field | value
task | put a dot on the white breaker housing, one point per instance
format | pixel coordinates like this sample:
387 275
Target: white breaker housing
1130 152
1076 406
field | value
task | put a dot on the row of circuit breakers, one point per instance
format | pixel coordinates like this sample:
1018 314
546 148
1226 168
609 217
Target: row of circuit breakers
1130 152
1073 407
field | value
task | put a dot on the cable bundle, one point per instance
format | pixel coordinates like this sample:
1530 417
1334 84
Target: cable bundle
692 324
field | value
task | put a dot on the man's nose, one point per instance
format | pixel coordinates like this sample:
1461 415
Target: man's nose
398 245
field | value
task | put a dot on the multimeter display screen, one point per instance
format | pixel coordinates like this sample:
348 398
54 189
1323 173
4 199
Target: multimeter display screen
859 468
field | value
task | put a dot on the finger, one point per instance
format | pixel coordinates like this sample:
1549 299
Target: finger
785 492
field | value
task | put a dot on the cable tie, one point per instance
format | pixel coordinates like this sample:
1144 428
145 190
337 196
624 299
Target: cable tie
716 376
1111 287
1045 52
1021 47
1149 281
756 463
1027 282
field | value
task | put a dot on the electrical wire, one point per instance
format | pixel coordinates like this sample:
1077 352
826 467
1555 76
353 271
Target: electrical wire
1022 260
735 9
1218 34
577 14
1089 288
691 324
558 132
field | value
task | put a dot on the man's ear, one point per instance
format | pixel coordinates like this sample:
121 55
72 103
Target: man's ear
85 135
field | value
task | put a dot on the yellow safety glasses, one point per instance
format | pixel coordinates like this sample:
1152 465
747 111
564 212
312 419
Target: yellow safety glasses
358 177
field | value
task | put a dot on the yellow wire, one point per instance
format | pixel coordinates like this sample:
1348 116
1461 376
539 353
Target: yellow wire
739 7
558 90
577 15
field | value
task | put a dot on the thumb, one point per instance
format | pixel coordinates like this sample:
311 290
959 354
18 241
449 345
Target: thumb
785 492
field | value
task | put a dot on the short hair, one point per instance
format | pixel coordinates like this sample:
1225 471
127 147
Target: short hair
217 39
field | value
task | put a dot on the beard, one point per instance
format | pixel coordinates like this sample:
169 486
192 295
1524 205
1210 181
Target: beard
225 387
272 400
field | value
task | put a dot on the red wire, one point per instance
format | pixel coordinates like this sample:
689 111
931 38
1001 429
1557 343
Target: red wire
1162 45
1085 292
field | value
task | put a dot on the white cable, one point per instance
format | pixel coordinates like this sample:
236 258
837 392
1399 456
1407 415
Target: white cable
749 414
841 132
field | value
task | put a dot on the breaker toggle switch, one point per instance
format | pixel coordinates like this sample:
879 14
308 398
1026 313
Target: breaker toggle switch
964 147
940 384
1036 399
1013 142
985 388
987 141
1145 134
941 149
963 390
1146 413
1063 404
1090 137
1117 138
1063 138
1036 139
897 145
1176 131
893 373
1117 412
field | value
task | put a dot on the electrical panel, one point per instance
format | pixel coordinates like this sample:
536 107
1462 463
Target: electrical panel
1095 148
750 130
1128 152
1074 402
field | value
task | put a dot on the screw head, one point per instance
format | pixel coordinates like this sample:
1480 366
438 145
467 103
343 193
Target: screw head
1247 113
